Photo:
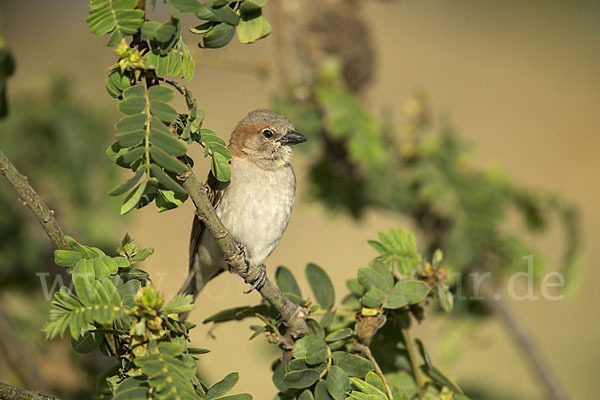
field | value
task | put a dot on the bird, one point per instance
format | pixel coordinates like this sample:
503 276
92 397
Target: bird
255 205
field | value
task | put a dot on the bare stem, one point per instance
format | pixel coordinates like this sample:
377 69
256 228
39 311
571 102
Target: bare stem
31 199
412 357
367 353
8 392
292 314
515 328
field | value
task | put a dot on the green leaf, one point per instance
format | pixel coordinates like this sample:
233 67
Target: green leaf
108 15
132 388
171 348
301 379
131 123
369 278
179 303
306 395
220 167
252 5
166 180
286 281
167 200
353 365
328 318
321 392
129 156
398 246
66 258
374 380
97 301
311 348
278 377
132 105
101 269
219 36
238 313
85 251
373 298
355 287
368 389
166 141
170 377
116 83
445 296
134 91
221 388
127 185
161 93
406 291
186 6
178 60
315 328
131 139
253 26
163 110
197 350
87 343
167 161
339 335
133 198
321 285
337 382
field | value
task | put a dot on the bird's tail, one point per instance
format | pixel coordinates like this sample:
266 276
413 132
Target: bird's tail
197 278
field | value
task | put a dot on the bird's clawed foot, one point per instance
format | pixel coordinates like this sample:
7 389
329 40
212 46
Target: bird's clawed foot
243 254
257 278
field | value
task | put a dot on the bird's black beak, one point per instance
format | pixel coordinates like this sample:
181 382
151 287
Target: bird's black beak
292 137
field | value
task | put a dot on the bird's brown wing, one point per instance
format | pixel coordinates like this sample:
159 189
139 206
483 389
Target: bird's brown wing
215 194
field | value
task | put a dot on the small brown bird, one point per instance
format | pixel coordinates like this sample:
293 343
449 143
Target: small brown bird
256 204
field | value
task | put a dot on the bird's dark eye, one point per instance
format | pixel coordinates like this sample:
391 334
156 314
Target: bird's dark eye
267 133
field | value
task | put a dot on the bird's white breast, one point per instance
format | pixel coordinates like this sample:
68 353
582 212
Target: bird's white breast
256 206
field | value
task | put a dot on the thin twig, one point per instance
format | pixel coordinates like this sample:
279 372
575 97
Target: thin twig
367 353
541 368
292 314
8 392
31 199
412 357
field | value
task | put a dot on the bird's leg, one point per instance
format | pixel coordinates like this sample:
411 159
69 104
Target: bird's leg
244 254
258 278
255 277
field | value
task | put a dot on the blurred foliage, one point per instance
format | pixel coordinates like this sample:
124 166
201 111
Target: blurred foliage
334 361
422 172
62 135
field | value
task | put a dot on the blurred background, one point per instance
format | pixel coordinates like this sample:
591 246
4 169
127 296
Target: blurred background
518 80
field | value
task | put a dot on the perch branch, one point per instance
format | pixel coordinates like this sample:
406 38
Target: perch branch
31 199
367 353
292 314
8 392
